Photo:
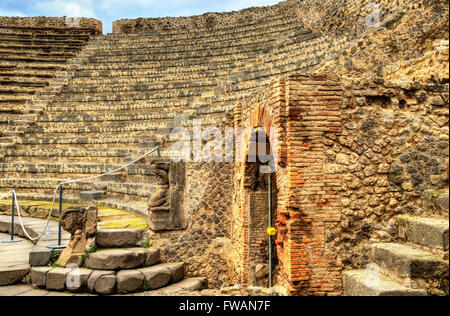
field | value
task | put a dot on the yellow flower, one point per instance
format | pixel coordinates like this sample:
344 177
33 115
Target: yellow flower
271 231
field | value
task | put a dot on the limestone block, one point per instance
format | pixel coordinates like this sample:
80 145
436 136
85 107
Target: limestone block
56 279
156 276
129 281
39 275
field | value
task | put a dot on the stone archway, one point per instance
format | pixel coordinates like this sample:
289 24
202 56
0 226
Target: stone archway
252 203
257 184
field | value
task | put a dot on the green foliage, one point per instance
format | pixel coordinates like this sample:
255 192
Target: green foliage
93 249
147 245
147 286
53 258
85 256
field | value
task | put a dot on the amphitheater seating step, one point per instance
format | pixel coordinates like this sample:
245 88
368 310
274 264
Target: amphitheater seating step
121 238
408 262
370 283
92 195
122 259
425 231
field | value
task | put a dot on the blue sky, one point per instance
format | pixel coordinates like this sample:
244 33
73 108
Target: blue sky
110 10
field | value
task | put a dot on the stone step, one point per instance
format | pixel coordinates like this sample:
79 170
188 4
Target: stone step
43 41
152 86
267 19
99 140
152 42
236 33
13 275
160 279
370 283
125 192
122 259
92 195
136 207
24 74
407 262
139 168
424 231
442 202
120 238
276 56
198 50
106 156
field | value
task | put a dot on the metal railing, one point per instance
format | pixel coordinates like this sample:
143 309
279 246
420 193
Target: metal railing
60 189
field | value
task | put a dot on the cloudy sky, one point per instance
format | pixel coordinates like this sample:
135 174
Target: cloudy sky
110 10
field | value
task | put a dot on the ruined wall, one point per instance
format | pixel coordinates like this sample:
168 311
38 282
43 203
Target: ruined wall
393 146
205 243
395 40
303 109
353 155
264 109
56 22
207 20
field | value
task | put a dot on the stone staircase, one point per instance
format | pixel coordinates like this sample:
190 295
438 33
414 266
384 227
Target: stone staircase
416 265
32 59
129 90
121 265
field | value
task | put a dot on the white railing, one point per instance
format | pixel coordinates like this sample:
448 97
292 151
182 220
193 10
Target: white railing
59 188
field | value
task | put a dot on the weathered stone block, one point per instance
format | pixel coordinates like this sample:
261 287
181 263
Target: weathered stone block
94 277
130 281
157 276
370 283
56 279
106 285
39 276
116 259
176 269
40 256
14 275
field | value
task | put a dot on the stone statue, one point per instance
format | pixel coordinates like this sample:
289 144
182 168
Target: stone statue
81 222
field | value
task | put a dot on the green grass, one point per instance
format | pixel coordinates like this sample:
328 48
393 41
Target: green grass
53 258
147 245
85 256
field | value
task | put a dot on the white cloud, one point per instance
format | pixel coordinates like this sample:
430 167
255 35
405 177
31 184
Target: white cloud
81 8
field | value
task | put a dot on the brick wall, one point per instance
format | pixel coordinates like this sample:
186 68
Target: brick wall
303 109
353 154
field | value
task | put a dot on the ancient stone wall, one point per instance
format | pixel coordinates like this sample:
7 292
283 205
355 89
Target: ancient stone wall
263 109
205 244
56 22
395 40
207 20
353 154
393 147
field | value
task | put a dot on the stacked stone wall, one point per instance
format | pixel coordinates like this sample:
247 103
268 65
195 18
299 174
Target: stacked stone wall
52 22
205 244
206 21
393 147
